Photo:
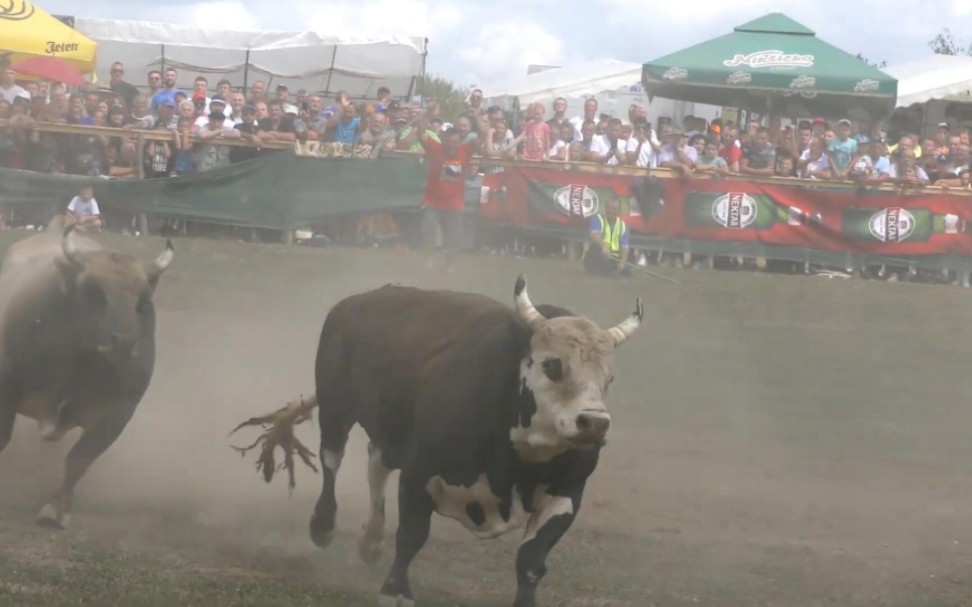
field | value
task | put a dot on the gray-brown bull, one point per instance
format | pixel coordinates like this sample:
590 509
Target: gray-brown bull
77 346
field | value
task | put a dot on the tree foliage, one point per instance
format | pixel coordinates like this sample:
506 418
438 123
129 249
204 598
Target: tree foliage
944 43
881 65
451 98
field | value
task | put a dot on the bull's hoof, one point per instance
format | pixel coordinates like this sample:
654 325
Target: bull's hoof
385 600
371 551
52 517
321 537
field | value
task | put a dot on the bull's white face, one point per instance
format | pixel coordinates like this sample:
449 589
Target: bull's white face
568 371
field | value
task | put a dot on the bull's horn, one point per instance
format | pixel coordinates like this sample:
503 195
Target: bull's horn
161 262
165 258
629 325
524 306
70 248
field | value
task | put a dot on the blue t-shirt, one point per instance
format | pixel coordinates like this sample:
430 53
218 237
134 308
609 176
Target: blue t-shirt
843 152
346 132
595 227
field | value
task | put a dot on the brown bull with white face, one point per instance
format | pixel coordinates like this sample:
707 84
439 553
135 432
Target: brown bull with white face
568 370
495 417
77 345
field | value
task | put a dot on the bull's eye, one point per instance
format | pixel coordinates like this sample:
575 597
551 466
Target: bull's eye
553 368
93 295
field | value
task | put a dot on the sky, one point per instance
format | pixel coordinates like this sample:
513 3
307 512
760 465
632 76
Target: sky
488 42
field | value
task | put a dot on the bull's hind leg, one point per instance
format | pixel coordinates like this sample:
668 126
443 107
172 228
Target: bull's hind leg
334 437
93 443
7 417
372 543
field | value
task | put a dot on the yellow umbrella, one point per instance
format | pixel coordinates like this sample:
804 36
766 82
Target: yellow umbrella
27 30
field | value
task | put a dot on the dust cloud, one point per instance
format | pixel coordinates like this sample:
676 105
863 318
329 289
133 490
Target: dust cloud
778 440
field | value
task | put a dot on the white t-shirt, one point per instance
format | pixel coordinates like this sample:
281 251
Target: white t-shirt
555 148
203 120
601 145
577 122
668 153
647 158
202 123
13 91
83 208
820 164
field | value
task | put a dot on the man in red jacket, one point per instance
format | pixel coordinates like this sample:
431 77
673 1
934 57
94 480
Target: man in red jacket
445 188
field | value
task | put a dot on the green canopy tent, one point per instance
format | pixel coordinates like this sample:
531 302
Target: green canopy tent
773 64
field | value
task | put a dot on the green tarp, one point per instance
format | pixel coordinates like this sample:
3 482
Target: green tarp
279 190
773 63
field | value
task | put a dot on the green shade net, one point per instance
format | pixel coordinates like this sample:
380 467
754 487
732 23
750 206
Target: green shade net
279 190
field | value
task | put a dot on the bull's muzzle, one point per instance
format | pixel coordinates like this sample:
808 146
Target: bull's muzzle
592 428
118 347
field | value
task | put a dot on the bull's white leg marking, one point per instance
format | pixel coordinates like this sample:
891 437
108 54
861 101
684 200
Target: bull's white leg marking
50 428
548 507
394 601
49 516
451 502
371 545
332 460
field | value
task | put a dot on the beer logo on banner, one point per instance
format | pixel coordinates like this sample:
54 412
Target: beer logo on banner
739 78
893 224
675 73
734 210
577 200
803 82
866 85
770 58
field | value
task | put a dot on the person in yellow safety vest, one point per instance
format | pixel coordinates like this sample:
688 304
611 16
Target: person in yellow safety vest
608 250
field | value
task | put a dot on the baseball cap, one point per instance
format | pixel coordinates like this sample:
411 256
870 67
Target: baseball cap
198 96
943 125
843 121
217 99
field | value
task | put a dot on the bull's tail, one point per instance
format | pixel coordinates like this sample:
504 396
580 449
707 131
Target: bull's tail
279 432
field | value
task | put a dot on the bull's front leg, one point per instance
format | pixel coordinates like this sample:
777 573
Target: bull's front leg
8 405
93 443
544 529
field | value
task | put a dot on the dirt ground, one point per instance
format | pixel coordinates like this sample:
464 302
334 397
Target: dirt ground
778 441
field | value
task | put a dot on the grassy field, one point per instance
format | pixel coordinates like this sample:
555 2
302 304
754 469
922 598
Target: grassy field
778 441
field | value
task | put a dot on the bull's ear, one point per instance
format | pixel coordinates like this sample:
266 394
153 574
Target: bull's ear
155 269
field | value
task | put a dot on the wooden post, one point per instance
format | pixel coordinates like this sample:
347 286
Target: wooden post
139 156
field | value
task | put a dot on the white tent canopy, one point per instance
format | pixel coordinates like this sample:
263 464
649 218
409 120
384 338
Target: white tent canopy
573 81
944 77
318 63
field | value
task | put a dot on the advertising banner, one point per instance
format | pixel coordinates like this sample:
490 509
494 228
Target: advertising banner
858 220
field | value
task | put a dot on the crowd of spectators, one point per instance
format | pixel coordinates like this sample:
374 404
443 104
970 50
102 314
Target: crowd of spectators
810 149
